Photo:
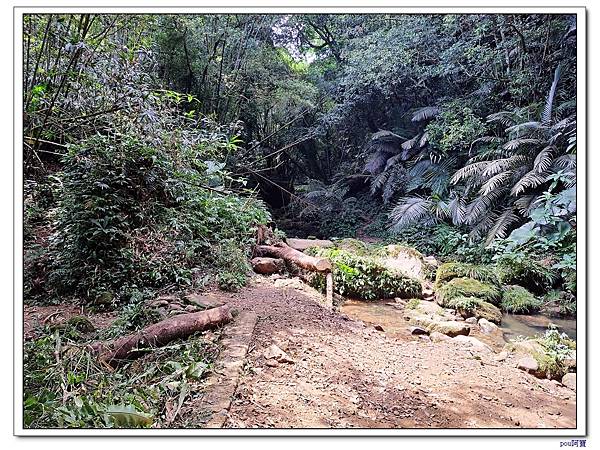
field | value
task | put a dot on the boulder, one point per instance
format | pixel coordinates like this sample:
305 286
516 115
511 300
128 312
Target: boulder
530 365
473 343
204 301
486 326
570 380
450 328
529 347
267 266
570 362
489 312
403 260
419 320
438 337
471 320
417 330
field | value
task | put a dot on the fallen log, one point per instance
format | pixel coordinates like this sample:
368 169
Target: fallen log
303 244
287 253
161 333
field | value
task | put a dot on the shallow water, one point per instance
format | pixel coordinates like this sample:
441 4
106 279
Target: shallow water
515 325
377 313
392 320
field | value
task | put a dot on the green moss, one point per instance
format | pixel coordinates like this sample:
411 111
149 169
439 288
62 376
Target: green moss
475 307
363 277
413 303
467 287
451 270
524 271
354 246
518 300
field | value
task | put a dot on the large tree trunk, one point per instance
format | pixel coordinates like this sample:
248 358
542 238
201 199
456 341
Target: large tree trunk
287 253
161 333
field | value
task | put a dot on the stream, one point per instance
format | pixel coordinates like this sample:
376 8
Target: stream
391 319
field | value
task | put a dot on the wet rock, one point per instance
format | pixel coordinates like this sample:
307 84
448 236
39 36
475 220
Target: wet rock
570 380
450 328
417 330
438 337
473 343
486 326
471 320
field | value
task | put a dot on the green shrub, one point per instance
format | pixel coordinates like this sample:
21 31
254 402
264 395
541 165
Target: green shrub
131 217
557 348
518 300
364 278
451 270
514 268
467 287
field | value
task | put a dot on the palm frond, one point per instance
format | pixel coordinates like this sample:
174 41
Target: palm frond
567 161
505 118
532 179
424 113
501 225
482 205
500 165
543 160
525 203
513 144
410 210
496 181
407 145
456 207
469 171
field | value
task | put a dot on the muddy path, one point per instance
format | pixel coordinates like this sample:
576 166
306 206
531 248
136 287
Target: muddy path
346 373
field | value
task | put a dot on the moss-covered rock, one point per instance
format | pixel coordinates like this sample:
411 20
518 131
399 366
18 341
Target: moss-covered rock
448 271
364 277
467 287
518 300
475 307
525 272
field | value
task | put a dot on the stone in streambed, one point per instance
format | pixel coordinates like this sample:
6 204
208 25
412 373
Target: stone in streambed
450 328
473 343
530 365
486 326
438 337
417 330
570 380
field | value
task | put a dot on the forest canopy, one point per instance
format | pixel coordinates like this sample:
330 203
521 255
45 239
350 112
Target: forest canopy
340 124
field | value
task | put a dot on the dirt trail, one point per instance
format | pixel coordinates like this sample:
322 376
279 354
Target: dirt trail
347 374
